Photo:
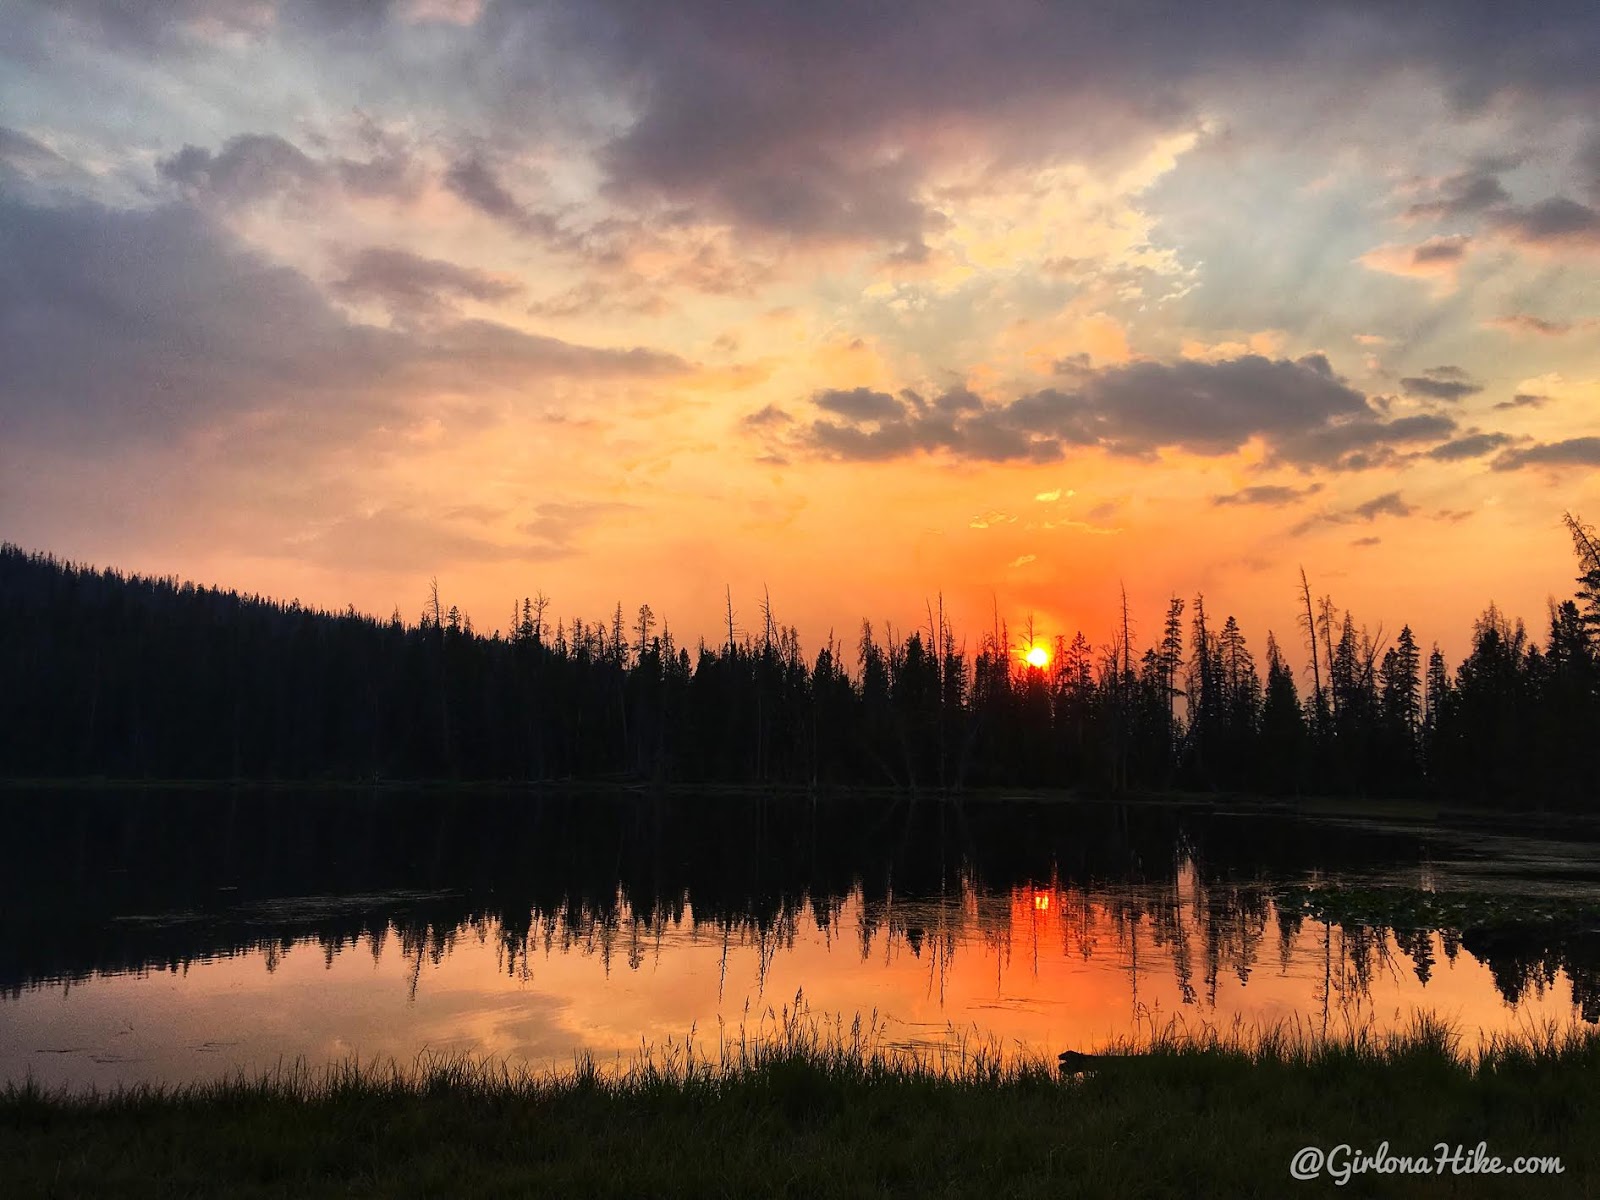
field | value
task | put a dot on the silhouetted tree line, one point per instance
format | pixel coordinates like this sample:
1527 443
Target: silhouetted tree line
132 677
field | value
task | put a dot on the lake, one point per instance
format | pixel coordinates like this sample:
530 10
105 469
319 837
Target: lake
181 936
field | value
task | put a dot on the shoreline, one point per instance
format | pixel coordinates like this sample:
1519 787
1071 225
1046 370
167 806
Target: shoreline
824 1115
1425 811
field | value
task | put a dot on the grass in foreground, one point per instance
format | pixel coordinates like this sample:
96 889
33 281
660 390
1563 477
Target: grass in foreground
814 1109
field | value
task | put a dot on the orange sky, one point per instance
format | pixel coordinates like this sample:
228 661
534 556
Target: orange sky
635 305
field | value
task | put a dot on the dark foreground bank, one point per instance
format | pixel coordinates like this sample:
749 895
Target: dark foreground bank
811 1114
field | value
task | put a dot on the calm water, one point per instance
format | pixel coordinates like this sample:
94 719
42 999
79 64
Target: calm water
182 937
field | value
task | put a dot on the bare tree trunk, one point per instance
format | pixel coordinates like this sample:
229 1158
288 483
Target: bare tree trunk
1311 632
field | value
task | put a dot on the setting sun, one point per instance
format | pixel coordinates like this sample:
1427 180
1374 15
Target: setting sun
1038 657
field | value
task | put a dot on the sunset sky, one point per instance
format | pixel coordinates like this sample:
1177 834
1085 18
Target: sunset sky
856 302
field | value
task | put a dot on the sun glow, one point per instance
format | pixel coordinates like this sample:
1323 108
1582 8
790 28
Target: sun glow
1039 657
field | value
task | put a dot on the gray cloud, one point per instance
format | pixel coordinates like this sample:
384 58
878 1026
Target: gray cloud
1389 504
768 416
175 28
114 321
409 284
19 150
484 347
826 119
1572 452
256 166
474 180
860 404
248 167
122 324
1372 540
1473 445
1206 408
1440 383
1461 195
1589 165
1361 444
1524 400
1266 494
1305 413
1440 250
1553 222
821 119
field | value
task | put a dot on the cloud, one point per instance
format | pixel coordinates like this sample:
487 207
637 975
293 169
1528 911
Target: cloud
397 539
114 322
1461 195
1524 400
451 12
142 323
1589 165
768 416
597 295
1023 560
1437 258
819 121
1389 504
409 284
1362 443
402 537
257 166
249 167
1439 250
1572 452
991 518
1473 445
142 28
1368 541
1441 383
475 181
481 352
1304 412
1553 223
1526 323
556 525
178 29
27 154
860 404
1266 494
824 120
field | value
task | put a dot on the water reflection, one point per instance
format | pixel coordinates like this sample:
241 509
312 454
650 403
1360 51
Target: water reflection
169 937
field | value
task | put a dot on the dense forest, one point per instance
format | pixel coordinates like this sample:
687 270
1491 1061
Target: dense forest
129 677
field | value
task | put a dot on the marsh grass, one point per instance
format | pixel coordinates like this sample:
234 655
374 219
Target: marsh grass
800 1105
